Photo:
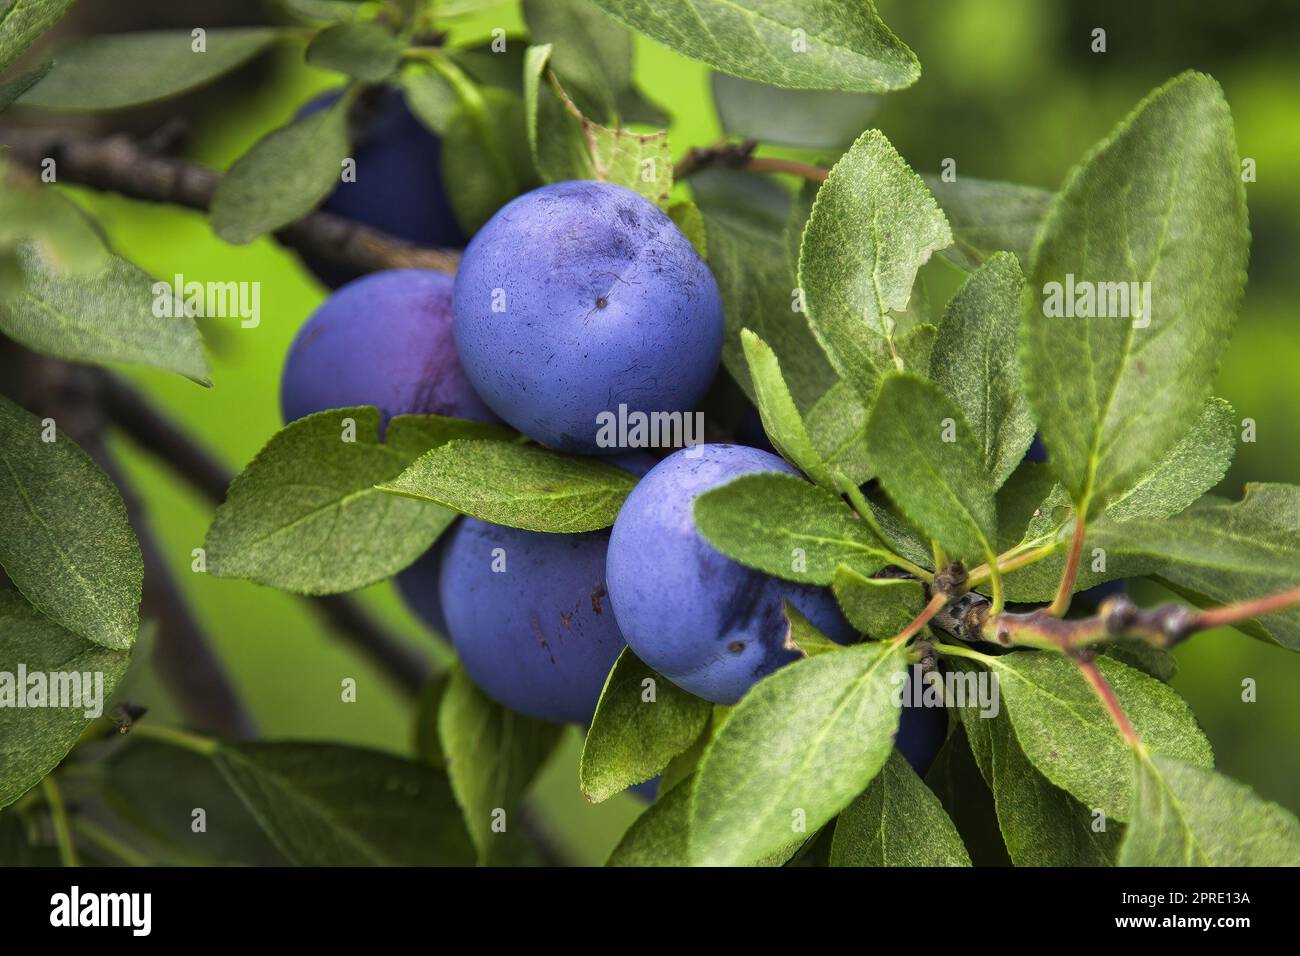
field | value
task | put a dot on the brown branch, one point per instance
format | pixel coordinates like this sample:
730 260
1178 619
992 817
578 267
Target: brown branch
1231 614
741 156
143 424
120 164
159 436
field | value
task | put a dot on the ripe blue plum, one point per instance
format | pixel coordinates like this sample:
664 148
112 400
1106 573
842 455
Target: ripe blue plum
398 187
921 732
529 614
384 340
580 297
418 585
529 617
707 623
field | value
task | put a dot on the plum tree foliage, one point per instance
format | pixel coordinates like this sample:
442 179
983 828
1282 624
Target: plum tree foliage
773 605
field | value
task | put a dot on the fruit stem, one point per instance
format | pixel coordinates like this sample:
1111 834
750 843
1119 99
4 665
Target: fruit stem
59 817
204 746
101 838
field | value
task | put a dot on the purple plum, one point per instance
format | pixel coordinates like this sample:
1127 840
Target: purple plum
581 297
709 624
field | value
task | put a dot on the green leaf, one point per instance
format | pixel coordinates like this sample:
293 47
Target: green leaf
1192 467
427 745
818 46
1021 501
1161 201
592 52
874 224
10 90
284 176
975 363
520 486
661 835
687 217
744 216
33 741
783 525
927 458
22 21
473 145
18 846
1188 816
59 237
567 145
305 515
795 751
838 425
107 315
1068 735
810 119
1042 825
897 822
156 787
988 216
1218 552
65 540
430 96
488 64
1153 661
492 756
955 778
878 607
781 420
1183 474
641 723
126 69
317 10
364 49
804 636
331 805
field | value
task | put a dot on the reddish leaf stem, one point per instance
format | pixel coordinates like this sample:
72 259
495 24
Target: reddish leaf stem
1106 693
936 604
1061 604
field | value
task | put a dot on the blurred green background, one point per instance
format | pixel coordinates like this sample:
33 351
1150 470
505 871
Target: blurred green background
1010 90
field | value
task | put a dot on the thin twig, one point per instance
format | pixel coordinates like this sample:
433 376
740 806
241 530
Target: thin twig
120 164
741 156
1231 614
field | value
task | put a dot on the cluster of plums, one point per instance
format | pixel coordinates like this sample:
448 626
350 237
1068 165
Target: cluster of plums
574 299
